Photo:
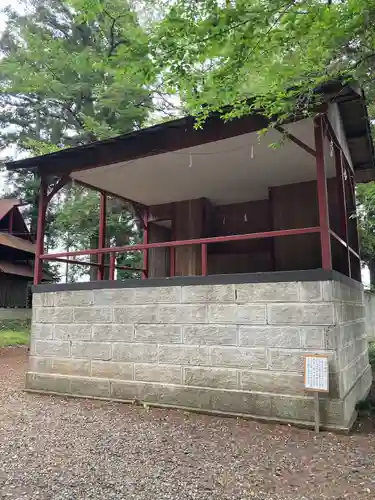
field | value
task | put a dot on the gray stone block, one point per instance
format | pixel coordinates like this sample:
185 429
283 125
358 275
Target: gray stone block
239 402
46 299
37 300
92 315
341 292
183 355
135 353
72 332
70 366
269 336
210 334
42 330
332 412
314 337
350 312
293 408
135 391
48 383
354 331
287 360
310 291
33 341
73 298
187 397
327 291
223 378
267 381
357 295
183 313
108 332
167 334
167 374
157 295
350 352
40 364
99 388
237 313
52 348
114 297
239 357
267 292
112 370
208 293
301 314
333 336
346 355
91 350
135 314
53 314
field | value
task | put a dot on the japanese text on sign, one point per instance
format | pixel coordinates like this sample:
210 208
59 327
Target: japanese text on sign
316 373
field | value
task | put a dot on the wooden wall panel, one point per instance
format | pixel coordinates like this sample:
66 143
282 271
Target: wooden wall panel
228 263
158 258
189 222
241 256
242 218
13 291
296 206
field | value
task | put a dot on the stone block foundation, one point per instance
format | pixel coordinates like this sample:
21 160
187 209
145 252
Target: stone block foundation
234 349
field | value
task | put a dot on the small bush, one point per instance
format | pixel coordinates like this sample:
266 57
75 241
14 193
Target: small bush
371 353
14 332
15 325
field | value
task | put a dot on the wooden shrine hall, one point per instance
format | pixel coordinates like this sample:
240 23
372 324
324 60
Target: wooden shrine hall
250 262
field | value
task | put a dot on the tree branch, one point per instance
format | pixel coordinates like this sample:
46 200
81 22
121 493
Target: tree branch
112 44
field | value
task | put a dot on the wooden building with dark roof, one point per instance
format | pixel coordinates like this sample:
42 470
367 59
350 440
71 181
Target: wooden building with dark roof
17 253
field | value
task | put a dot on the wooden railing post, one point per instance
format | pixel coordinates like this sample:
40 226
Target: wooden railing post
102 234
204 259
112 265
42 208
145 242
172 261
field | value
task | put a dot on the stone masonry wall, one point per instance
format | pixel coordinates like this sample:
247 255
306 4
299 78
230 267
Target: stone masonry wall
231 349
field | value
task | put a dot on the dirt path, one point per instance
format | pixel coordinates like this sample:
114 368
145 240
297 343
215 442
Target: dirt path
56 448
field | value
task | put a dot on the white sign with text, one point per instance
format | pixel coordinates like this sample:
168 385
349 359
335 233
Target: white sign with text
316 373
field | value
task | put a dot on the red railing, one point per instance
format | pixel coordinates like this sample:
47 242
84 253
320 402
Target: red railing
203 242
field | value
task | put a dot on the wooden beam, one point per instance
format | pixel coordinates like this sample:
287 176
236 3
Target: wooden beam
294 139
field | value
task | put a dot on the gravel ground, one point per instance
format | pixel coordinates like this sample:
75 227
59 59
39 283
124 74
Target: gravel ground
56 448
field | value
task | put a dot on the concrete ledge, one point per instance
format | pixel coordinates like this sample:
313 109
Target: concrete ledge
215 279
8 313
299 409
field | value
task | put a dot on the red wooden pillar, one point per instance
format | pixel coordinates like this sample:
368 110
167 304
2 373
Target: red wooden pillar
102 232
325 239
145 241
342 202
42 208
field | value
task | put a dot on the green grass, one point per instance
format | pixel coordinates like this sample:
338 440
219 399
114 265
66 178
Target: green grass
14 333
